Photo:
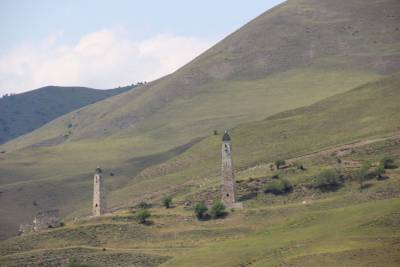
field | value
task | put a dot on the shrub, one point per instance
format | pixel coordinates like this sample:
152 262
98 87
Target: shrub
144 205
327 180
300 166
215 132
388 163
278 187
379 170
142 215
200 209
275 175
279 163
362 174
217 210
167 201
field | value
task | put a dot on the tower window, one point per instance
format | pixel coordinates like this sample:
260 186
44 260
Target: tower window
96 205
227 195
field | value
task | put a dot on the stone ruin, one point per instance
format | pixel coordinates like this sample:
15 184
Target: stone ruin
43 220
47 219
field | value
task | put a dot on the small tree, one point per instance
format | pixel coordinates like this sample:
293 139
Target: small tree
327 180
279 163
167 201
300 166
200 209
362 174
388 163
217 210
278 187
142 215
144 205
379 171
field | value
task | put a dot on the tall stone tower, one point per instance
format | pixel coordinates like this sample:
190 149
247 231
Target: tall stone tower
228 177
99 198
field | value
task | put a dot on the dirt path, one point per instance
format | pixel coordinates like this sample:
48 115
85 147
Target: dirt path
343 149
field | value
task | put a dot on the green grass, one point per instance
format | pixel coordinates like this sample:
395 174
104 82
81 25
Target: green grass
346 227
278 62
23 113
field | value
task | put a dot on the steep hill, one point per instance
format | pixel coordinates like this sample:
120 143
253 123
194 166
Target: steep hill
23 113
306 49
366 112
292 56
347 225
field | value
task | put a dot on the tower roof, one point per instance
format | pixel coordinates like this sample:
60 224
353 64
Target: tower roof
226 137
98 170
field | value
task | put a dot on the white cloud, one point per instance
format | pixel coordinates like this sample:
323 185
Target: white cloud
102 59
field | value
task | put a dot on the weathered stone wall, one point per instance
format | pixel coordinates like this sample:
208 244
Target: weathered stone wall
46 219
25 228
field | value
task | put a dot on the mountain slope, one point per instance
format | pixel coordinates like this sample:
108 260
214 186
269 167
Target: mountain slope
346 226
292 56
357 37
23 113
366 112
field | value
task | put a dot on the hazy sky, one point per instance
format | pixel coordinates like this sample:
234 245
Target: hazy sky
104 44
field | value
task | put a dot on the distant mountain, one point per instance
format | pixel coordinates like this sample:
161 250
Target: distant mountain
291 56
23 113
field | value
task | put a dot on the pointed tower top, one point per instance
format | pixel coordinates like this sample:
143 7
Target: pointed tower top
226 136
98 170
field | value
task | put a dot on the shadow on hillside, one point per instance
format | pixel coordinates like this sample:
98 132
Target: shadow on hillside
247 196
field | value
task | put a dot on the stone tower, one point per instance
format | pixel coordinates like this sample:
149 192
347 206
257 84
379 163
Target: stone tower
99 198
228 177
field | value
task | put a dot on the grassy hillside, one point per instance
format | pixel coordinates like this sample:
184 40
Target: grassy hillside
357 38
308 227
23 113
367 112
292 56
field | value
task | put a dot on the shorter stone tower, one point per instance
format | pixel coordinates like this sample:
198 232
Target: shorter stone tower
228 177
99 198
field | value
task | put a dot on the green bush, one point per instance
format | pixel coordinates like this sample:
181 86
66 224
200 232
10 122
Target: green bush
217 210
142 215
388 163
279 163
200 209
300 166
362 174
167 201
379 170
327 180
278 187
144 205
275 175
